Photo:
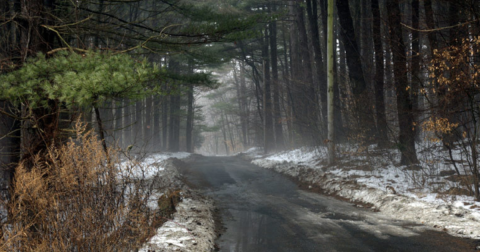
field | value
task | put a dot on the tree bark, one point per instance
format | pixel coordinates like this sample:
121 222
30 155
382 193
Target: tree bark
308 96
174 144
330 87
302 85
148 123
312 12
127 121
101 131
268 142
406 138
225 140
382 137
157 112
138 129
165 103
243 104
363 107
190 117
415 65
277 115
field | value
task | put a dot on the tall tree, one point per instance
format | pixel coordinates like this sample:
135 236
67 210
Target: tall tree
406 138
363 108
321 75
190 119
190 110
414 64
279 142
331 74
382 137
302 78
269 140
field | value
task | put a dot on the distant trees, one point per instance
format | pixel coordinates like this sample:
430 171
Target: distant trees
380 67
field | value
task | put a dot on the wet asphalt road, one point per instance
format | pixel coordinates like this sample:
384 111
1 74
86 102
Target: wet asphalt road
264 211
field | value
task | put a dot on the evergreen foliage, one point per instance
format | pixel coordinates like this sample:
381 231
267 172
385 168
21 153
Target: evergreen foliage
78 80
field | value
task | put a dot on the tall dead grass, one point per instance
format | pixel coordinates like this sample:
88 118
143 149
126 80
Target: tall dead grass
75 201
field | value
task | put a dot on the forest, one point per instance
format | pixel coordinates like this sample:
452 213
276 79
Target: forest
219 77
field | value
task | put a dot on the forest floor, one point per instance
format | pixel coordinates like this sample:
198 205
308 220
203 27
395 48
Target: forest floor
191 227
430 193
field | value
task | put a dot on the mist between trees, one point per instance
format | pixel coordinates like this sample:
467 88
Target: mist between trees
405 73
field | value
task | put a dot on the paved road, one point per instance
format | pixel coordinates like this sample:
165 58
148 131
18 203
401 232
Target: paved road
264 211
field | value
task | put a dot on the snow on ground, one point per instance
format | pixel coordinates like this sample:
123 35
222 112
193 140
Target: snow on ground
254 152
191 227
147 167
421 195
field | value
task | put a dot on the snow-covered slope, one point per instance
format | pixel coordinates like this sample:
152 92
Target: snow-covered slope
149 166
191 227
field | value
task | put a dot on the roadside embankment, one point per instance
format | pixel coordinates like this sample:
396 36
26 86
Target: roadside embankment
191 226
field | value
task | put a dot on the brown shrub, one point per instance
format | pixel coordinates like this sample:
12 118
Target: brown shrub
77 202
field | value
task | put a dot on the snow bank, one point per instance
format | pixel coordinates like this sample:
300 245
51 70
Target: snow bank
254 152
148 167
395 191
191 229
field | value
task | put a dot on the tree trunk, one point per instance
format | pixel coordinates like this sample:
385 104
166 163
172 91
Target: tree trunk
415 63
165 103
287 80
225 141
240 90
330 87
138 127
189 128
312 12
404 104
308 96
243 105
382 137
277 115
127 121
157 112
432 36
174 144
268 141
362 106
295 93
148 123
101 131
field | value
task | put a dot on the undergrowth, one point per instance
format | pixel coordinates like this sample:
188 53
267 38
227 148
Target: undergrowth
75 201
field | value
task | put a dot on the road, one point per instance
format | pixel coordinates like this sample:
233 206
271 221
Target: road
264 211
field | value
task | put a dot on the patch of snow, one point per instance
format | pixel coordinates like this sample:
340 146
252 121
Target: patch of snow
191 229
148 167
253 152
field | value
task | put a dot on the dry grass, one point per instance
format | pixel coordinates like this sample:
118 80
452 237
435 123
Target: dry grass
76 202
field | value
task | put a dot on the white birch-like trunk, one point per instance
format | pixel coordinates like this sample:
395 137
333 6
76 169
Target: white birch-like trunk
330 61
